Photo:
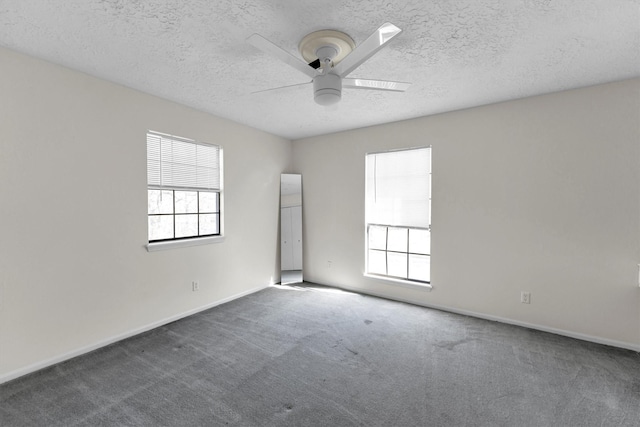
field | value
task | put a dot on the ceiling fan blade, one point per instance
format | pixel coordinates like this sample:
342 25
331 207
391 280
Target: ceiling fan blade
367 48
375 84
282 87
269 48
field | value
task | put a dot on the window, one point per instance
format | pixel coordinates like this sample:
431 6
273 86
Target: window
183 179
398 215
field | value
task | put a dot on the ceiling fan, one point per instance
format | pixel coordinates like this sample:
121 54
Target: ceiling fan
331 56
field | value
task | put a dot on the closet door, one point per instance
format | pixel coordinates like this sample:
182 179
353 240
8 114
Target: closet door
296 236
286 244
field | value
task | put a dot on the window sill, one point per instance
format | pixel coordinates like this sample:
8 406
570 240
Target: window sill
406 283
161 246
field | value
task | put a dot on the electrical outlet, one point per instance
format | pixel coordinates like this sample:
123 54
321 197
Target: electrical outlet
195 286
525 297
328 264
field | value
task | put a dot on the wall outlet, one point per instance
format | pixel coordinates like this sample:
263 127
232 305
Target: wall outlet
525 297
328 264
195 286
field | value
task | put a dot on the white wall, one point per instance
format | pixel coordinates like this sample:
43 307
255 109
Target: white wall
539 195
74 271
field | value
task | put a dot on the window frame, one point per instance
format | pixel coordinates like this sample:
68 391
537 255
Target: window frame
198 212
400 280
406 252
192 240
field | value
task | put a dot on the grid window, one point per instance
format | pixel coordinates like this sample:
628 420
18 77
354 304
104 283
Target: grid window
398 214
179 214
399 252
184 188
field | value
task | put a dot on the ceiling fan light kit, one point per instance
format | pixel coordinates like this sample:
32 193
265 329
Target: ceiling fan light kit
327 89
332 55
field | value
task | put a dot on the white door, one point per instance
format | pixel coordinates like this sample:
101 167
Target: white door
296 236
286 245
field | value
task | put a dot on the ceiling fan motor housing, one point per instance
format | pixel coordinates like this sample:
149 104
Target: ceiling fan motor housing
327 89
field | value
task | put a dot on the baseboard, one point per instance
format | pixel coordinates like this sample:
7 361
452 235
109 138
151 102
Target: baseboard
563 332
70 355
79 352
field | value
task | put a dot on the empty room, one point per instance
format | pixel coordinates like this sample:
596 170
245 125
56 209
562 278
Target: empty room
320 213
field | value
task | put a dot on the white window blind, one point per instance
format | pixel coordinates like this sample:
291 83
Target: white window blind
173 162
398 188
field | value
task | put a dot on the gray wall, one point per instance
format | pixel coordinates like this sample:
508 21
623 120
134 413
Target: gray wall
539 195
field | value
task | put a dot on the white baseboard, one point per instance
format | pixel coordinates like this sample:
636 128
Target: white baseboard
563 332
75 353
70 355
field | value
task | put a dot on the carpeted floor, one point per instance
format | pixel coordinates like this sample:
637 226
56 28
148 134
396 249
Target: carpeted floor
315 356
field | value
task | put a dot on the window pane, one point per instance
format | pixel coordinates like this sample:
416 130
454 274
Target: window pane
208 201
209 224
398 188
160 201
420 241
186 225
377 262
397 239
420 267
377 237
186 201
160 227
397 264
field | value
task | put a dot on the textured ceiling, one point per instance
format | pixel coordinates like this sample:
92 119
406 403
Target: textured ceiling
457 53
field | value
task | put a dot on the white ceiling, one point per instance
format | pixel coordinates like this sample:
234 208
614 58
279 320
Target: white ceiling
457 53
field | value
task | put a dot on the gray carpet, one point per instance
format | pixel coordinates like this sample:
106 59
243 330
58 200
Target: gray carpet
314 356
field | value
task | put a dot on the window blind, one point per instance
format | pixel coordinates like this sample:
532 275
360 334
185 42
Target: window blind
398 188
173 162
